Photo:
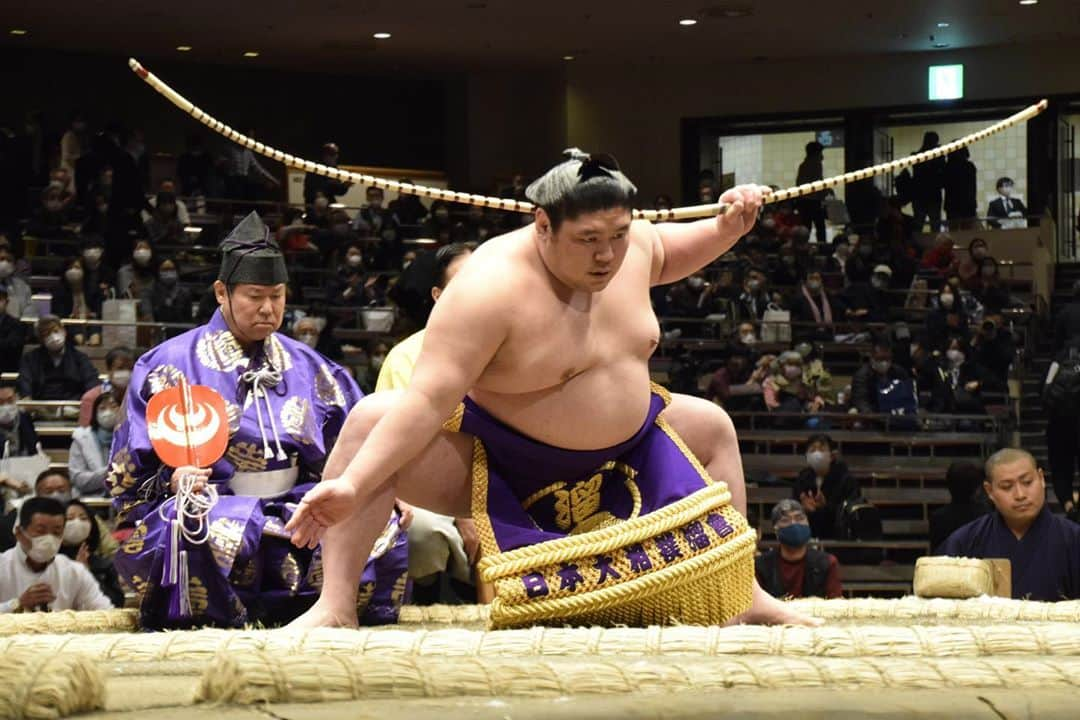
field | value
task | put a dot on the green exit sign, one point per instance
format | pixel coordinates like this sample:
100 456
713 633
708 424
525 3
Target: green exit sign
946 82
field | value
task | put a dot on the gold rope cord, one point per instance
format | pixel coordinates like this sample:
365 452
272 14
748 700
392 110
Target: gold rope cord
838 641
683 213
35 686
248 678
70 621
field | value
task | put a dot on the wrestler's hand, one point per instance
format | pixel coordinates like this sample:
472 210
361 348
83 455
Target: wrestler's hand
324 505
744 202
406 511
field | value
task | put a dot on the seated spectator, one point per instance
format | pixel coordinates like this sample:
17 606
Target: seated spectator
754 300
169 300
373 217
76 299
746 337
53 484
12 336
940 258
860 265
167 187
294 234
350 287
55 370
966 380
966 503
686 298
88 459
438 224
97 221
824 486
17 435
869 302
118 364
947 320
788 389
87 540
18 290
164 226
968 268
51 217
1006 206
788 271
990 290
134 278
837 261
994 347
812 305
318 213
316 334
1043 548
408 210
96 273
927 367
737 385
34 577
964 299
795 570
877 376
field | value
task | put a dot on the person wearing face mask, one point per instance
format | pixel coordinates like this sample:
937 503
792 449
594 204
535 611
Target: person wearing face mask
754 300
33 577
994 348
860 263
350 285
940 259
990 290
12 337
823 486
947 320
78 299
1006 210
50 217
135 279
118 363
90 447
869 302
55 370
19 302
877 374
966 379
169 300
168 187
18 438
789 390
812 310
794 570
318 334
836 262
87 541
164 226
96 273
52 484
318 212
438 221
968 268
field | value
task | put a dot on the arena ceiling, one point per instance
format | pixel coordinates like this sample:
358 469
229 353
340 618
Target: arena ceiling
470 34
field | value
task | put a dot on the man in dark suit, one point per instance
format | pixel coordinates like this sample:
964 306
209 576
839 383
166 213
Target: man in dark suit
1005 206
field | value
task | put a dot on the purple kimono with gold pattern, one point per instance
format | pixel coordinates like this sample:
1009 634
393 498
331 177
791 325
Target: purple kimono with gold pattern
286 405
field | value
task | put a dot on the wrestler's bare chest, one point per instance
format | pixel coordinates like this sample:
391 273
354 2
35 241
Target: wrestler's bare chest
576 374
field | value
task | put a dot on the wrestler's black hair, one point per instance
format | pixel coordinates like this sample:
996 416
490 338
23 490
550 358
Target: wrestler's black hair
582 184
443 257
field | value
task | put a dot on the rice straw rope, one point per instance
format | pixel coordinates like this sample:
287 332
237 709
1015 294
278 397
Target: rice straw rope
836 641
260 677
681 213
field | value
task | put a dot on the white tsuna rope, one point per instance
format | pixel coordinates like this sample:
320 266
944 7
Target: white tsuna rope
681 213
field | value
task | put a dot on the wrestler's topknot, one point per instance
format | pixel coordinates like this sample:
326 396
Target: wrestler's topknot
582 183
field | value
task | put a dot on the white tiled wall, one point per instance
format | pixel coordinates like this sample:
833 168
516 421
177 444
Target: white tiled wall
1000 155
774 159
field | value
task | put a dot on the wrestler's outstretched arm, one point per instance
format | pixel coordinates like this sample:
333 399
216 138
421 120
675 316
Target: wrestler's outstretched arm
680 249
465 330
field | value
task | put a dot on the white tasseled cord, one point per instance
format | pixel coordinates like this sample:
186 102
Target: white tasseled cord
261 379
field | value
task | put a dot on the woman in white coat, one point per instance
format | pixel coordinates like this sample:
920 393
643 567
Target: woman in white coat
88 460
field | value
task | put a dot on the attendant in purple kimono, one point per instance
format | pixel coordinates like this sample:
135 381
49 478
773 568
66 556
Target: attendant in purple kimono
285 405
1044 548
